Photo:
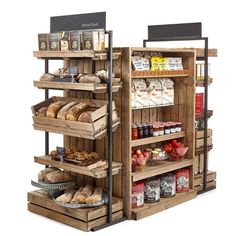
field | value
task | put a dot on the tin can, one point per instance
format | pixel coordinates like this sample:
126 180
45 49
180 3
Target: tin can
182 180
138 195
168 185
152 190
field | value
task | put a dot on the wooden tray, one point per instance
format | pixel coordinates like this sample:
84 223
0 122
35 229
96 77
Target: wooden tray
94 130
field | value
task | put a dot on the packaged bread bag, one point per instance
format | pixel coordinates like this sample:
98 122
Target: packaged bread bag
154 90
140 92
140 63
168 91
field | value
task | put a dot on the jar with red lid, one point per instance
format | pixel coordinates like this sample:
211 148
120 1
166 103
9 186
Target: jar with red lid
167 128
137 198
178 126
182 180
134 132
156 130
172 127
161 129
140 131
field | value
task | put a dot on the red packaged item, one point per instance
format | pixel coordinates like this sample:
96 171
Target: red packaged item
138 194
182 180
199 102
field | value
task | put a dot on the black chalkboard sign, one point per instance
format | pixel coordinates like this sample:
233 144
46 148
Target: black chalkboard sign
73 70
61 151
87 21
175 31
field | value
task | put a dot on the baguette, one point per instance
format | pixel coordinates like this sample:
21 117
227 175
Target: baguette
76 194
66 197
63 111
54 108
75 111
87 191
96 196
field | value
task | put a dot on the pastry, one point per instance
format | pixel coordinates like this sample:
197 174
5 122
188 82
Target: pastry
42 174
87 191
42 112
85 117
103 75
54 108
66 197
76 194
47 77
75 111
63 111
96 196
53 154
57 177
89 78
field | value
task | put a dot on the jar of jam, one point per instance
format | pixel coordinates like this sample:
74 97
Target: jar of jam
161 130
145 130
172 127
140 131
137 198
156 130
150 129
167 128
178 126
134 132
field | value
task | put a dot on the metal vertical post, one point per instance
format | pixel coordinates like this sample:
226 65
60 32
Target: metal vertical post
46 97
205 114
109 126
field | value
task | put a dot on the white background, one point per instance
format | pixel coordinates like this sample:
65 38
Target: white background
21 21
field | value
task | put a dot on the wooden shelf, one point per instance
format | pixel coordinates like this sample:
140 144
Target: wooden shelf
200 83
159 74
144 141
95 88
201 115
99 172
157 106
198 179
164 167
75 54
212 52
85 219
164 203
199 151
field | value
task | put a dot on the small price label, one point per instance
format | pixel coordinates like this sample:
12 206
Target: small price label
73 70
61 151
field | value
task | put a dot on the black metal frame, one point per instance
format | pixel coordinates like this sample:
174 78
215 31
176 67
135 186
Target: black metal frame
205 59
109 133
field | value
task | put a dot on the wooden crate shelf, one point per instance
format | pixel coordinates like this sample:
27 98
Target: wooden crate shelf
200 83
164 167
210 185
201 115
144 141
164 203
99 172
212 52
199 151
159 74
75 54
95 88
198 179
85 219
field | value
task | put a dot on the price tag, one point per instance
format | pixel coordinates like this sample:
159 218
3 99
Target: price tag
73 70
61 151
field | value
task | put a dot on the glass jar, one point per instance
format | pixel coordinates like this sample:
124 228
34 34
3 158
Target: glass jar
172 127
178 126
145 130
156 130
140 131
150 129
167 128
161 130
168 185
134 132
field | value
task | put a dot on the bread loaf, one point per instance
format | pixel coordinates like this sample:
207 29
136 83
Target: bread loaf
66 197
96 196
54 108
76 194
87 191
43 173
90 78
85 117
63 111
42 112
57 177
75 111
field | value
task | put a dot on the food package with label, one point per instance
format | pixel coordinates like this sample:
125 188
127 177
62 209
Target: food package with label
140 63
168 91
154 90
64 43
140 93
155 62
43 42
174 63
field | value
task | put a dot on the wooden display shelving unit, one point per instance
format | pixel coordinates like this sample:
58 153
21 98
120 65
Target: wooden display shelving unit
184 86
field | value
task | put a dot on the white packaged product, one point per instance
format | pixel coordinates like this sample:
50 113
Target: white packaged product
141 97
154 90
168 91
140 63
174 63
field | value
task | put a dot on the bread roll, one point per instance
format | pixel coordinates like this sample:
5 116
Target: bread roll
42 174
54 108
85 117
66 197
75 111
57 177
42 112
76 194
90 78
87 191
62 113
96 196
